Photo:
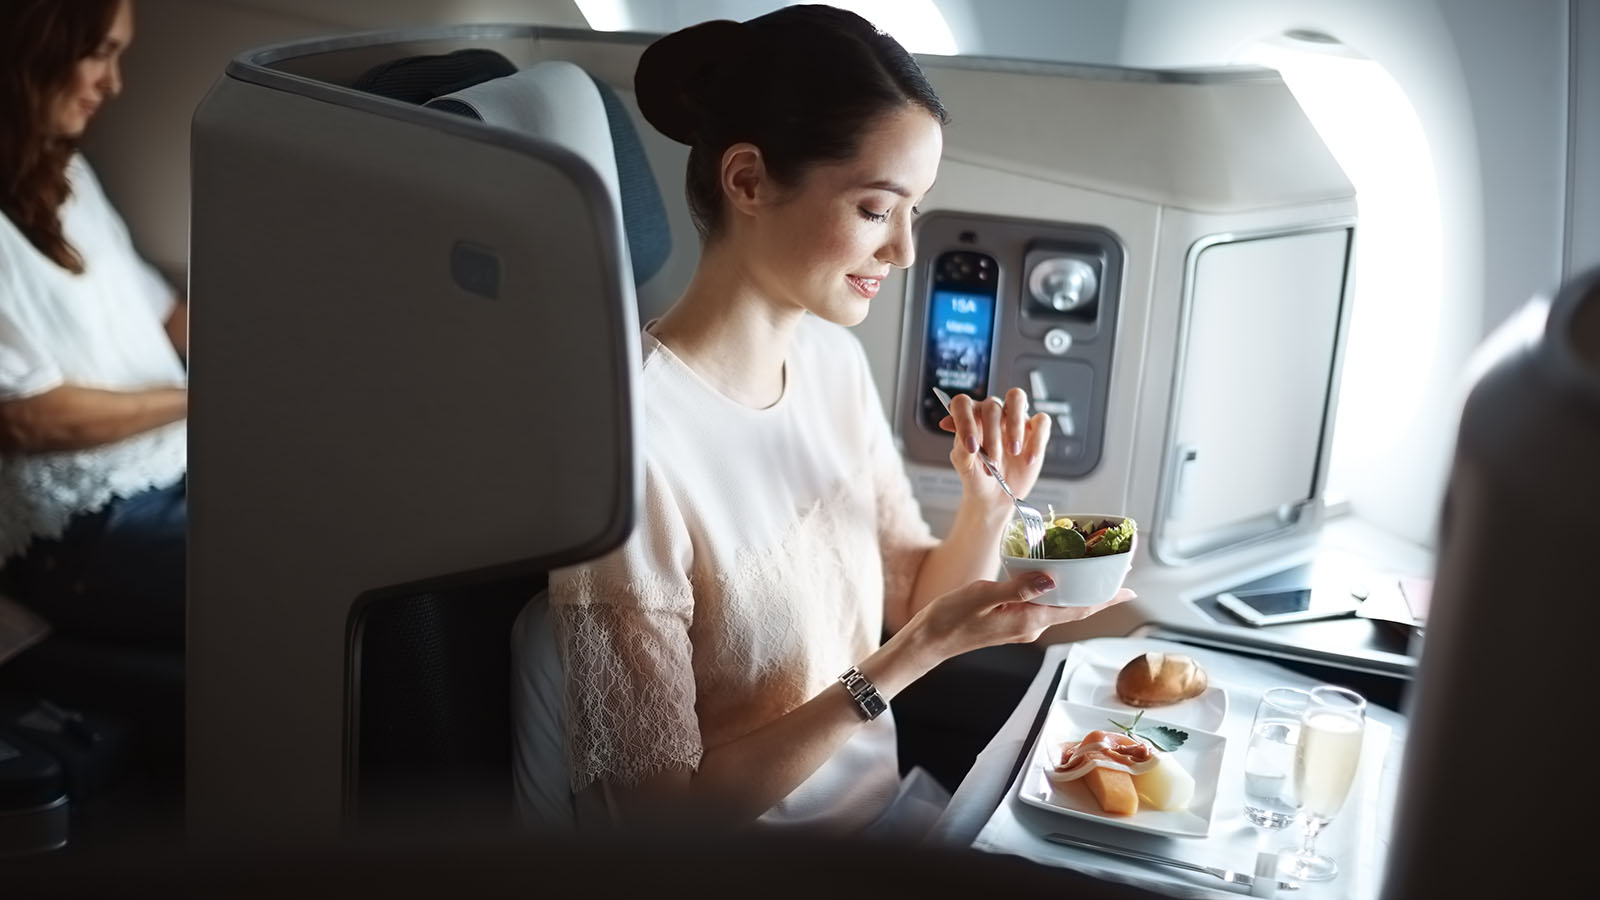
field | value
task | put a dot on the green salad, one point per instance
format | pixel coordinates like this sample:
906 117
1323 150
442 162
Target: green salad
1066 538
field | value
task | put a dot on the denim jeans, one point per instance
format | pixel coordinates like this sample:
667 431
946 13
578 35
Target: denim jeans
115 576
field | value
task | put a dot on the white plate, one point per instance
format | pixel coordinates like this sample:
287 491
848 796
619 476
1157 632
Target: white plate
1094 683
1200 755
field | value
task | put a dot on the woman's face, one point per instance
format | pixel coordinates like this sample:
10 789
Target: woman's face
827 245
96 79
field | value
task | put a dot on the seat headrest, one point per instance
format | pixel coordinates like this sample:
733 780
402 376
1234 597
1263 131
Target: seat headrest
559 102
554 100
418 79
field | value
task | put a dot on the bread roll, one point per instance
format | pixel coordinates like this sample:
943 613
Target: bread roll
1157 679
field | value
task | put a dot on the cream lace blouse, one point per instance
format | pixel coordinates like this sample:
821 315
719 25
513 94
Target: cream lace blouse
767 544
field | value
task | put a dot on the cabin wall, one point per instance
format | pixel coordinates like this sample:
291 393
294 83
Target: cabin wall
1488 84
1086 32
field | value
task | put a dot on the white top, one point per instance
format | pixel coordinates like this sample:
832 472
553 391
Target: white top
758 571
102 329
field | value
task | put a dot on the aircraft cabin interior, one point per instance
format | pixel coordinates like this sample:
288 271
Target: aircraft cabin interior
1305 292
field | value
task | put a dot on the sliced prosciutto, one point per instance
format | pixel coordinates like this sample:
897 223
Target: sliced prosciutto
1103 749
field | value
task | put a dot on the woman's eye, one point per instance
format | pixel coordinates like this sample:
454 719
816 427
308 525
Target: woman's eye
871 216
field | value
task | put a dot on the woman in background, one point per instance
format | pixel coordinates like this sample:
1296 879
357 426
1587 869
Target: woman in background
93 397
724 665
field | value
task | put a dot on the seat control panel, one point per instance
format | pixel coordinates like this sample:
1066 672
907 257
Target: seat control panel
995 303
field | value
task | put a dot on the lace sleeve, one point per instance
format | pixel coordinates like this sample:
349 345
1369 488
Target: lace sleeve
623 626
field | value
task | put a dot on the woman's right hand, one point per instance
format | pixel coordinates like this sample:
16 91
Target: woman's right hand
986 613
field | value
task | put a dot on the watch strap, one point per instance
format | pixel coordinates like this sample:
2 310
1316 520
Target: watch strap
864 692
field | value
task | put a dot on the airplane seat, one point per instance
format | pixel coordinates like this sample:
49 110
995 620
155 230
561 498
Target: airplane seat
544 798
435 668
552 99
1509 646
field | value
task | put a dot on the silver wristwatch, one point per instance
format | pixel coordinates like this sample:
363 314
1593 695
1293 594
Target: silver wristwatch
864 692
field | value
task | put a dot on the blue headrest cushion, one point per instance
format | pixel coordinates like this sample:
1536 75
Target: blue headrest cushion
644 215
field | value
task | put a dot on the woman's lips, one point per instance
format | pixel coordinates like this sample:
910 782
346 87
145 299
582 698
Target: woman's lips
866 287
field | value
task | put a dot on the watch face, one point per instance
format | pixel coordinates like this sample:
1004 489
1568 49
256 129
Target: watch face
873 704
864 692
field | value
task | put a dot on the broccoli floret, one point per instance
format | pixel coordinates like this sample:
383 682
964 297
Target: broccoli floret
1118 539
1063 543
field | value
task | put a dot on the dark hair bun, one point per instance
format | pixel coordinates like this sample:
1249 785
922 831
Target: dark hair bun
675 71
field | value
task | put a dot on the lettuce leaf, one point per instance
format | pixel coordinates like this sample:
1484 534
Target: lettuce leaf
1116 540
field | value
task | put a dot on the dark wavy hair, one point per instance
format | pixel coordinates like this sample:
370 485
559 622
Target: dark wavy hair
41 44
802 83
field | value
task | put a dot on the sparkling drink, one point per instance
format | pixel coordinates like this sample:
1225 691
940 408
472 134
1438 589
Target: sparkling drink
1325 762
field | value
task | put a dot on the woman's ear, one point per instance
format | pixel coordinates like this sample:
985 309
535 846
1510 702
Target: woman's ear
744 177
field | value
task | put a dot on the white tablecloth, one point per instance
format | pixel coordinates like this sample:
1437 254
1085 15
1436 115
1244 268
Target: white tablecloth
986 813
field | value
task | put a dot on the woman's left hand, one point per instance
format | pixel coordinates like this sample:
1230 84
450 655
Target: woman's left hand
1014 443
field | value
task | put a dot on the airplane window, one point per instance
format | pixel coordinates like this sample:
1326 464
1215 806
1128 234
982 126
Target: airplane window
606 15
1374 133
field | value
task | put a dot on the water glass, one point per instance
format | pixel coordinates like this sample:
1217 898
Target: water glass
1269 800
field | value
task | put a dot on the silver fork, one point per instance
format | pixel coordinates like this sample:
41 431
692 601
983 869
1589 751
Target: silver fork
1228 875
1032 520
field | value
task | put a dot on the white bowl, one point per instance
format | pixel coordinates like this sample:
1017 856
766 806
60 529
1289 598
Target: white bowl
1089 581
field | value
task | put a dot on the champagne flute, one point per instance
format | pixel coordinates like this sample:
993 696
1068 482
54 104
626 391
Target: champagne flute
1325 763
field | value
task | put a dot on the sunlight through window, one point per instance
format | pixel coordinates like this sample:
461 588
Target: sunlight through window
1373 132
606 15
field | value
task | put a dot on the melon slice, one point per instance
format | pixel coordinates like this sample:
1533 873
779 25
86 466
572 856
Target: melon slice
1113 790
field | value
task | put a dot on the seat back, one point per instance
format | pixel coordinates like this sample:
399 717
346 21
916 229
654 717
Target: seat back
433 682
1509 641
400 294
